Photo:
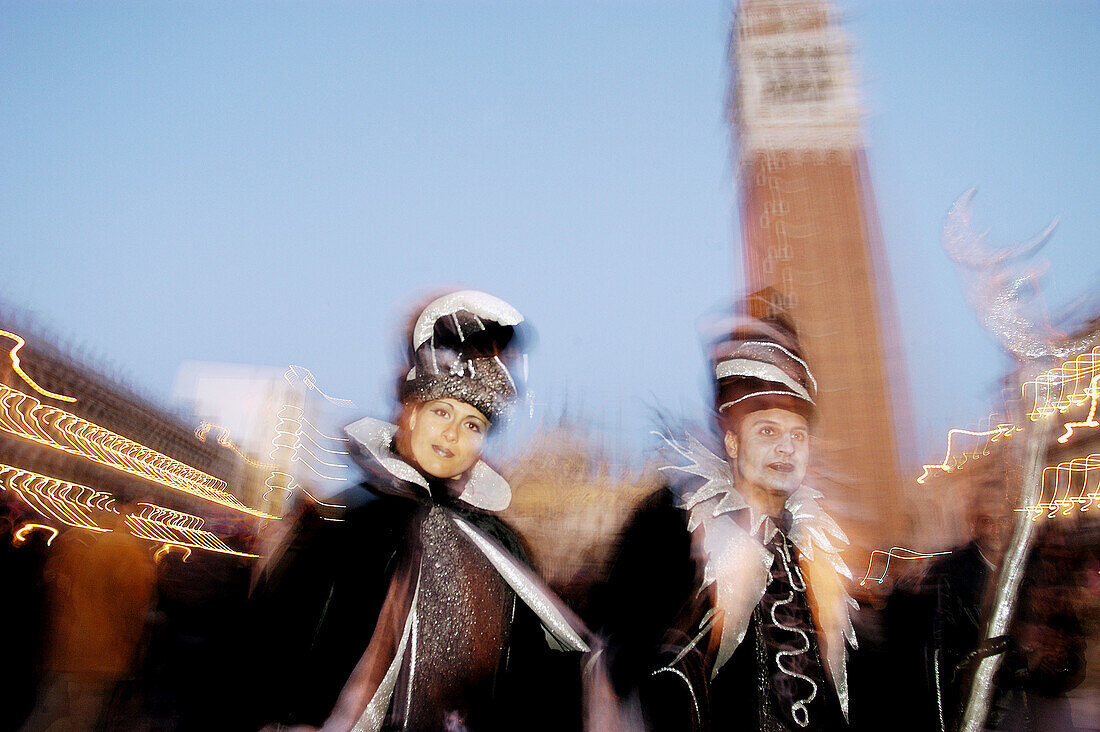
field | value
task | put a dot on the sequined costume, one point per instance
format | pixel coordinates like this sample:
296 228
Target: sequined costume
415 612
748 622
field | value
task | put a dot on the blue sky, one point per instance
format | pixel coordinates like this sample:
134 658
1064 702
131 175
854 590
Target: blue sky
274 183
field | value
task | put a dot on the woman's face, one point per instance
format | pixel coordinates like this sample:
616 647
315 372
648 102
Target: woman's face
446 437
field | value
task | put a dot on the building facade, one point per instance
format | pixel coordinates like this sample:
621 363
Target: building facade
79 450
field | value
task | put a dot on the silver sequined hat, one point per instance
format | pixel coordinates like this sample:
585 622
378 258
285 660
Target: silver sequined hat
465 346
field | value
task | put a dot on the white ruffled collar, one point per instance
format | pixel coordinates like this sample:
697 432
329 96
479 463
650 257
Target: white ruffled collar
717 496
484 489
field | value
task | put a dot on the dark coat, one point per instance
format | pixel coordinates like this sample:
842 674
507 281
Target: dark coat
649 591
661 646
1043 653
961 580
317 606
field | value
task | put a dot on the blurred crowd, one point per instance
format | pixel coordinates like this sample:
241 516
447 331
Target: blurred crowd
100 635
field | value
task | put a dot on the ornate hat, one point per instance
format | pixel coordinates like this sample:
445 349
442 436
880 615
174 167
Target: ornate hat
464 346
758 364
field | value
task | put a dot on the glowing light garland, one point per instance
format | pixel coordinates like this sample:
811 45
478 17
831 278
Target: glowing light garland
288 436
1093 392
287 430
319 433
1069 385
19 342
1057 390
299 446
273 483
166 525
953 461
320 502
306 377
20 535
273 480
72 504
68 503
1064 480
223 440
24 416
166 549
909 555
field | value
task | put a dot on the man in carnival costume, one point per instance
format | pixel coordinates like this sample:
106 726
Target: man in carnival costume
414 610
1044 649
726 607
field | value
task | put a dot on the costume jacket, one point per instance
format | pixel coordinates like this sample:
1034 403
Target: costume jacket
414 610
743 621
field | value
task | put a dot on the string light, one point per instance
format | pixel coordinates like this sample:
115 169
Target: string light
272 483
321 434
51 497
1090 421
306 377
24 416
288 434
19 342
286 430
951 461
320 502
71 504
224 441
165 550
160 524
1087 468
20 535
909 555
1070 384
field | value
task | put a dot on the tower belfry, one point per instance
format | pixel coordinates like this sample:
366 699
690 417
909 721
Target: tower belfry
810 235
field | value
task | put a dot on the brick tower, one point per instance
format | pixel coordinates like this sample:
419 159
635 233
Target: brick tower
810 235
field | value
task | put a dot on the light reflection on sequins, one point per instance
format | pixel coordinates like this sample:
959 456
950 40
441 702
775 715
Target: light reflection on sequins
461 625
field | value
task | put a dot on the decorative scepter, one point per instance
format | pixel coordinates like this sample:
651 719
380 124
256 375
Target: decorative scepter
1002 291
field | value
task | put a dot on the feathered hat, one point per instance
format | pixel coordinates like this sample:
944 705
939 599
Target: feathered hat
466 346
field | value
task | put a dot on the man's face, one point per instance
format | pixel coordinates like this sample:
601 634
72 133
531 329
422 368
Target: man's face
446 437
770 451
990 528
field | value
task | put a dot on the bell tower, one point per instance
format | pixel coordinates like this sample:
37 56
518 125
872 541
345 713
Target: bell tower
810 237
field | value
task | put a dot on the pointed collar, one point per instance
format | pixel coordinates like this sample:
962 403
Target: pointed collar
716 494
806 516
484 489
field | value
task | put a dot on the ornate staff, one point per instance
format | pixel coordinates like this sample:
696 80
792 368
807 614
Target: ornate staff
1001 292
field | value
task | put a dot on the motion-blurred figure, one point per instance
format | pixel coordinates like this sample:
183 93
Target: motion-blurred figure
743 565
101 590
1044 651
414 609
22 616
962 581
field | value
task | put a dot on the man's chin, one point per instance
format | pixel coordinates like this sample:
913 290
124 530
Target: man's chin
783 488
